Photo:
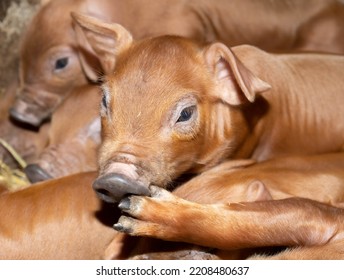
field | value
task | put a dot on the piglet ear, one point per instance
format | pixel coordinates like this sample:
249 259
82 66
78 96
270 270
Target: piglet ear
236 82
257 191
104 41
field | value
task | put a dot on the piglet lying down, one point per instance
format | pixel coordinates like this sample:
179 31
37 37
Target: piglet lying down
53 61
173 106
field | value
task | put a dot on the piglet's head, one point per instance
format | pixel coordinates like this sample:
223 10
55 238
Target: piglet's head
49 63
168 107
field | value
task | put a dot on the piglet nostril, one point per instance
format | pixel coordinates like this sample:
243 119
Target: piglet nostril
105 195
113 187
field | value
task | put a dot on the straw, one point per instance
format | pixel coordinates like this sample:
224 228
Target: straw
13 179
14 154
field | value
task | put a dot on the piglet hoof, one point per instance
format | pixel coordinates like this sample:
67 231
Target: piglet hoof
113 187
36 174
125 224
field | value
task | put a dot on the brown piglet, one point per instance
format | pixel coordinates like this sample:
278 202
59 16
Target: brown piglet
174 106
54 59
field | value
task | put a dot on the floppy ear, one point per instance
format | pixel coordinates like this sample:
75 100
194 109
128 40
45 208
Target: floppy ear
100 43
237 83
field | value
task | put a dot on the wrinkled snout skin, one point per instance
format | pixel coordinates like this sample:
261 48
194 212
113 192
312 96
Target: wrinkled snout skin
34 107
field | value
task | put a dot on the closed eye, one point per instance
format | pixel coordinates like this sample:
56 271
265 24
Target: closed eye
105 100
186 114
61 63
104 103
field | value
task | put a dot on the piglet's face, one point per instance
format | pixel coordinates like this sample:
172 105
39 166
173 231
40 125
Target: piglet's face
45 82
151 112
49 64
168 107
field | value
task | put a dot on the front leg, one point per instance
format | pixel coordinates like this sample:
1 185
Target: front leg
283 222
231 226
163 215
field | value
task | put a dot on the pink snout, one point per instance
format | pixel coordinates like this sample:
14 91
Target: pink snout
28 113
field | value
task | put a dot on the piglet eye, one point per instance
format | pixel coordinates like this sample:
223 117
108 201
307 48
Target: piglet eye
61 63
104 103
186 114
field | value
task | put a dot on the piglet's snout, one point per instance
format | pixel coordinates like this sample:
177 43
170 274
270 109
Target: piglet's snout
35 173
112 187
